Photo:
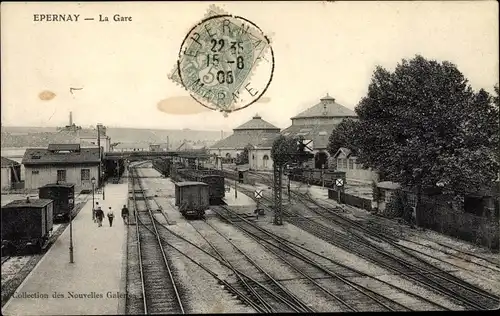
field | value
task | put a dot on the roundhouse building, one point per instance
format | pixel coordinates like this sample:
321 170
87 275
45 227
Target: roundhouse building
253 133
64 163
316 124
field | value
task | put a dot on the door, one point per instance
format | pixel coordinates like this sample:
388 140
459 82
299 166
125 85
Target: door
61 176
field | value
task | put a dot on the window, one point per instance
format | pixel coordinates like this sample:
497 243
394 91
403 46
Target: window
344 163
351 163
85 174
35 172
265 159
382 195
61 175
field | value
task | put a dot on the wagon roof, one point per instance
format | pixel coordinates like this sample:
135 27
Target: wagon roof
62 185
190 183
33 203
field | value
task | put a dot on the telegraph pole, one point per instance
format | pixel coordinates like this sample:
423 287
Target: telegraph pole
278 215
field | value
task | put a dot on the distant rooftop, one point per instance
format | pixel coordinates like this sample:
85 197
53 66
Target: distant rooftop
6 162
327 107
256 123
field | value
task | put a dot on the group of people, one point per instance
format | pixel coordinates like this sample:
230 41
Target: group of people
98 215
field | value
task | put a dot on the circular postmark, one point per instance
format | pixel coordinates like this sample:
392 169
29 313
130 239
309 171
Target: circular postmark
226 63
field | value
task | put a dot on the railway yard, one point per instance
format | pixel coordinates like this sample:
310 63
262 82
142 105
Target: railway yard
325 257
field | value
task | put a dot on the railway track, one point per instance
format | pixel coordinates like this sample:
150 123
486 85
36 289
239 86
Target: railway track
352 296
458 290
277 298
159 287
403 261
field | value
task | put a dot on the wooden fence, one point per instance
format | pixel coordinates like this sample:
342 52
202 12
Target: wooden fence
441 217
350 199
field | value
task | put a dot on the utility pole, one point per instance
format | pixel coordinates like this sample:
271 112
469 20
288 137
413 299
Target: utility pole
278 216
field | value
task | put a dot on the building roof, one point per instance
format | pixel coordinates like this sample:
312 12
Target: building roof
389 185
37 156
256 123
6 163
342 150
327 107
190 183
36 203
319 133
58 185
241 139
64 147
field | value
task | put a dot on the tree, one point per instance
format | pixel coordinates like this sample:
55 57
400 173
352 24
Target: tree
342 137
283 150
243 156
422 125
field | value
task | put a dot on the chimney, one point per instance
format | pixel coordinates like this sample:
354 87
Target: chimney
70 118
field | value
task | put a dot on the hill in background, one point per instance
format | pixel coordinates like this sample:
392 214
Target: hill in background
15 136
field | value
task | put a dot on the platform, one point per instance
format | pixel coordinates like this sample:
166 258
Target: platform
240 200
95 273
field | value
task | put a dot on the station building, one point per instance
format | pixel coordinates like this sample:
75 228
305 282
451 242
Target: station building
253 133
63 163
11 173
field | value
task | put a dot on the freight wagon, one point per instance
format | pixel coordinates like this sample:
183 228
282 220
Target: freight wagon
214 179
63 196
192 198
162 165
324 177
26 225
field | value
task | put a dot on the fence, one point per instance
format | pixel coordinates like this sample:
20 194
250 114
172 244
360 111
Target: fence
441 217
351 200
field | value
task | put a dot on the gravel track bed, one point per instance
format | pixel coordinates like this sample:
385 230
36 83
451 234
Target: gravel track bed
295 234
201 293
271 264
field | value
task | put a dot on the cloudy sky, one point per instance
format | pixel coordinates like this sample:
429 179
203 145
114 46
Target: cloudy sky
319 47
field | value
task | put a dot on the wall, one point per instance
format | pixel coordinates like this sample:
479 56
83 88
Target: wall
48 174
356 173
442 216
6 178
224 152
256 159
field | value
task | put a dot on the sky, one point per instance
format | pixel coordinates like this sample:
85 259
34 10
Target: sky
319 47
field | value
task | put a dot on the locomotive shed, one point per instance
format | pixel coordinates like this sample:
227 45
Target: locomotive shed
232 261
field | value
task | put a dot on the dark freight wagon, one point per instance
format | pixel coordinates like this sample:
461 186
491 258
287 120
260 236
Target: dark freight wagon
63 195
26 224
192 198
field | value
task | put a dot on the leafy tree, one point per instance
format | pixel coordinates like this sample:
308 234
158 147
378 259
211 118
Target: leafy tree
423 124
283 150
342 137
243 156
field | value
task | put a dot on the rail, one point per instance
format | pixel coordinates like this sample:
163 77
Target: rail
147 308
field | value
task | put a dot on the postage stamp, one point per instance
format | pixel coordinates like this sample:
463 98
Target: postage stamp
225 62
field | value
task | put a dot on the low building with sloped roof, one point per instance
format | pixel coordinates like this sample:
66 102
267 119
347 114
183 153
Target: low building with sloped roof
62 163
344 160
11 173
253 133
316 124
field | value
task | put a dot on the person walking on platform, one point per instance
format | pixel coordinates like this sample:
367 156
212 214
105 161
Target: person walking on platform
94 209
125 214
111 216
99 215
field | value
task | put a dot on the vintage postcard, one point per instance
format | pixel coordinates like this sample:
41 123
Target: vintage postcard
186 157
